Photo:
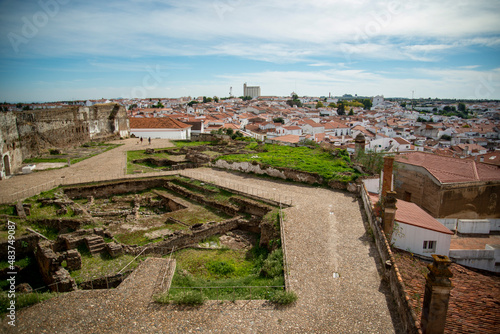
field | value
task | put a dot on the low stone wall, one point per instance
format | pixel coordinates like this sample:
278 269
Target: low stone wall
194 186
228 209
391 271
106 282
251 207
282 173
114 188
181 240
156 162
61 224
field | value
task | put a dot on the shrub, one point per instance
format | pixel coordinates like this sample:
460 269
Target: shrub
189 298
220 268
273 265
283 297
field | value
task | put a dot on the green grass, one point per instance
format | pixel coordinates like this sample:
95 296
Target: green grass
23 300
300 158
182 143
23 263
39 160
7 209
103 265
144 167
231 271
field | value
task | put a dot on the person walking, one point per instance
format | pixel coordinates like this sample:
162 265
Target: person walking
149 140
141 140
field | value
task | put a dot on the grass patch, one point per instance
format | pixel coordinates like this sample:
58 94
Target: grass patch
283 297
22 263
222 274
184 143
23 300
43 159
312 160
103 265
7 210
143 167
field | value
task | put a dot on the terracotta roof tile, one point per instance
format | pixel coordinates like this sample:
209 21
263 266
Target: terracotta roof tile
157 123
451 170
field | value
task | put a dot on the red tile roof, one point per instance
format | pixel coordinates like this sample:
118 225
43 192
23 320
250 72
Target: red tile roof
451 170
157 123
411 214
288 139
474 300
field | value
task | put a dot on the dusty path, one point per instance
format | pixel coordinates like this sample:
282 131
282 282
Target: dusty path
324 235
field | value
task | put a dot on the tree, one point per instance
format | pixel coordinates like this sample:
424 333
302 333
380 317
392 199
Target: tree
319 105
132 106
461 107
204 99
216 99
332 105
403 104
340 109
245 98
295 101
367 104
279 120
192 102
351 112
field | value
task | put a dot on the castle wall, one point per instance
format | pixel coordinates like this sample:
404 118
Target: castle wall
27 134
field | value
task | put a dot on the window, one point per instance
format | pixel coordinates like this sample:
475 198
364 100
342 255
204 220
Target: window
429 246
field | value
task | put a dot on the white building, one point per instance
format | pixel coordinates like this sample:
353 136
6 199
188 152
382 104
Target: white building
418 232
162 128
252 91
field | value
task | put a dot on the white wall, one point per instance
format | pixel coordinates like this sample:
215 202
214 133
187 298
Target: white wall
477 258
162 133
411 238
474 226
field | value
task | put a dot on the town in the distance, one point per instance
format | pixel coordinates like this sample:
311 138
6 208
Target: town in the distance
457 128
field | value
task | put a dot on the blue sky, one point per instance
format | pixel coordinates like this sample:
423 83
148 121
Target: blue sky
53 50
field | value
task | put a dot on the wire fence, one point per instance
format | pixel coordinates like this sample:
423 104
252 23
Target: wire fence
232 293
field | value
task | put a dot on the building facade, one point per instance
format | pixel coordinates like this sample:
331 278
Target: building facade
253 91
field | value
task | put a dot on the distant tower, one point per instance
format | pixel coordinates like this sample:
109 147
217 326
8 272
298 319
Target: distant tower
230 91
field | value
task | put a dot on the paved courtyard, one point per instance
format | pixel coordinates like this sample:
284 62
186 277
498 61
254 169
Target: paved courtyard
324 235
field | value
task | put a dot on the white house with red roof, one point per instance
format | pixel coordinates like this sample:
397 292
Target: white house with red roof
163 128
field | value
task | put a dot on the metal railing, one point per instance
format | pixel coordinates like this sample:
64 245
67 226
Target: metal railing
242 188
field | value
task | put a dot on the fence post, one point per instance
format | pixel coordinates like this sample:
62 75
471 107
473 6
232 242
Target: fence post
107 284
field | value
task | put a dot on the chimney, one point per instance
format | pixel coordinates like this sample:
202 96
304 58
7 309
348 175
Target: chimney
481 159
387 175
389 205
436 296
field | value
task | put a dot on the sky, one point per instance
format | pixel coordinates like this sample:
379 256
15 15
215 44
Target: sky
55 50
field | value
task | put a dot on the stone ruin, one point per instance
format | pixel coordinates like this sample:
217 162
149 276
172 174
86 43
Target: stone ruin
128 208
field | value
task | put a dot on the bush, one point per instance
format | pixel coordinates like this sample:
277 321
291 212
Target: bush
220 268
191 298
283 297
273 265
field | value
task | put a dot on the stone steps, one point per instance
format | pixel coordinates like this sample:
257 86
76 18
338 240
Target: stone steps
95 244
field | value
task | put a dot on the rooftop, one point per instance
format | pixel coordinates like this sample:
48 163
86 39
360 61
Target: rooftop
451 170
157 123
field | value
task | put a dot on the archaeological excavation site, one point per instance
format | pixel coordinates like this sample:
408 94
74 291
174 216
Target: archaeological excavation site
95 236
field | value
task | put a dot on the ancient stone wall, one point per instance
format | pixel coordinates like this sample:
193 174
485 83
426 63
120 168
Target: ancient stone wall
390 270
26 134
196 235
114 188
11 155
282 173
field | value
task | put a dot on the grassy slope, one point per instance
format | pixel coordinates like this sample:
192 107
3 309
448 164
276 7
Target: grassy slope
302 159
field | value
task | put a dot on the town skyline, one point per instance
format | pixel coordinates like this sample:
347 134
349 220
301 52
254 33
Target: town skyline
58 50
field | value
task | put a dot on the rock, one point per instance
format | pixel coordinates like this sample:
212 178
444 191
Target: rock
149 151
24 288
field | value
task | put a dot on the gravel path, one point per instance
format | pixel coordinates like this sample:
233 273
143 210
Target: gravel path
324 234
